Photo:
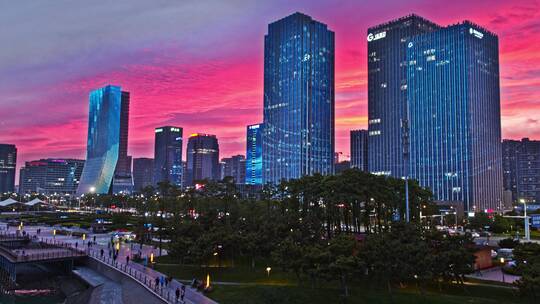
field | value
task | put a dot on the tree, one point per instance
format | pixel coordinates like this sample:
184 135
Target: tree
343 263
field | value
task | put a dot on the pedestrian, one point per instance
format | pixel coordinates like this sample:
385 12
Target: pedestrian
76 245
94 238
101 253
183 293
110 254
157 283
177 293
161 281
127 259
109 245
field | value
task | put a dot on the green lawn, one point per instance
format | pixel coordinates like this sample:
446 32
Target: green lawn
283 288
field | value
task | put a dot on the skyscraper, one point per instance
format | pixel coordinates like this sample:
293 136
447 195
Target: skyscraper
387 91
235 167
454 115
143 173
254 154
108 110
123 180
50 176
521 169
168 155
8 163
359 149
298 137
202 158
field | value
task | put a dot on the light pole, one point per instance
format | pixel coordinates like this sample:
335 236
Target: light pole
526 219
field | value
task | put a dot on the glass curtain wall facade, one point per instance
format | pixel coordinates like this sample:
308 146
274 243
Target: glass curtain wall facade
8 163
103 140
235 167
387 92
168 155
298 113
51 176
123 180
359 149
454 115
143 173
254 154
202 158
521 169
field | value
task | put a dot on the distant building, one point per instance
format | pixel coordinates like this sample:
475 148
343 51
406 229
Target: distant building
342 166
202 158
143 173
235 167
51 176
106 155
168 155
254 156
521 169
8 163
298 137
359 149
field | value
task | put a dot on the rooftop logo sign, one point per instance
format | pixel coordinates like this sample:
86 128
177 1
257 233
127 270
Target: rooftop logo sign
373 37
476 33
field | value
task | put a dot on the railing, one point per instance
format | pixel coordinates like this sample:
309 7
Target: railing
53 250
162 292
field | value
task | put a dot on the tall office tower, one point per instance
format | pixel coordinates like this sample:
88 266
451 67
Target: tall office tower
521 169
107 136
387 91
168 155
143 173
8 163
298 137
359 149
202 158
254 154
50 176
454 115
123 179
235 167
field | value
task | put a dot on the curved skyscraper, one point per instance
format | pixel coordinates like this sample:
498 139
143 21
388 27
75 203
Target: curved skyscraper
298 136
104 139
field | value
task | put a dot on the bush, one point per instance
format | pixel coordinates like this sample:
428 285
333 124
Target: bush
508 243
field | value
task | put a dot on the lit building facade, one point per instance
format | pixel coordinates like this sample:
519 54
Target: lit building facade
298 136
454 115
143 173
359 149
104 139
168 155
123 179
387 92
8 163
202 158
254 151
51 176
521 169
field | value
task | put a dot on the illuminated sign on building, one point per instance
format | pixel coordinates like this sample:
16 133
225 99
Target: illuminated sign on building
373 37
476 33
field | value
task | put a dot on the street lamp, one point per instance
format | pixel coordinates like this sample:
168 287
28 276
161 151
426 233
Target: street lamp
526 219
268 271
502 269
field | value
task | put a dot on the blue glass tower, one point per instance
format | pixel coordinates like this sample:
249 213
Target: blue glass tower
168 155
202 158
454 115
254 154
298 136
387 92
103 140
359 149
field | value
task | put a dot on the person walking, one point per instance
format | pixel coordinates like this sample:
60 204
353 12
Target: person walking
183 293
177 293
157 283
127 259
101 252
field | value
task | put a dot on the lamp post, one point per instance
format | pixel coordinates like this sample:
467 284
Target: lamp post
526 219
502 270
268 271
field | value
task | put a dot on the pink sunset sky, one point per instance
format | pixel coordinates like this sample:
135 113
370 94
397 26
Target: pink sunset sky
199 65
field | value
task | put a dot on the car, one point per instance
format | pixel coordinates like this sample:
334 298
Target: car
475 234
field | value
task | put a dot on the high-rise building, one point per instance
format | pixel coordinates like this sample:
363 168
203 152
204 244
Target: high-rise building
123 180
387 91
143 173
107 137
8 163
202 158
168 155
521 169
51 176
359 149
235 167
298 137
342 166
254 154
454 115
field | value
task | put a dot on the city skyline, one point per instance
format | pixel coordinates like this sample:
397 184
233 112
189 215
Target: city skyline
168 78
